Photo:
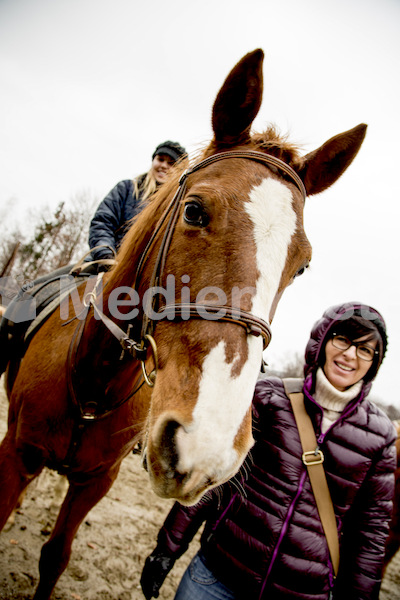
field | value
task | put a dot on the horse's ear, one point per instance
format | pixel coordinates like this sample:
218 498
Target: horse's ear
239 100
322 167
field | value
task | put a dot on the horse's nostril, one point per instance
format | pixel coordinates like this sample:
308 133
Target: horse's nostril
168 445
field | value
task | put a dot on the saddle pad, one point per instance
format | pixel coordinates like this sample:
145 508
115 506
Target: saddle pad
47 311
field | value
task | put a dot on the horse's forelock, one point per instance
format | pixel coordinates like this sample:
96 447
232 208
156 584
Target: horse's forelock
270 141
276 144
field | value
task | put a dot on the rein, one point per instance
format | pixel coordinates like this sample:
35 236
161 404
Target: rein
174 312
254 325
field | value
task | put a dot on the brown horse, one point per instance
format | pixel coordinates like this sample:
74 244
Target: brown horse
197 280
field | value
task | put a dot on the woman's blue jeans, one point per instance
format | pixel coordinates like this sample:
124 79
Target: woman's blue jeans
198 583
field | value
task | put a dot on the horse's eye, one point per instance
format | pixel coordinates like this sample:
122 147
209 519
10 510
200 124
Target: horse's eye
194 214
302 270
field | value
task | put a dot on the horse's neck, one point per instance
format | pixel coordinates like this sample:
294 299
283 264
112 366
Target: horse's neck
103 370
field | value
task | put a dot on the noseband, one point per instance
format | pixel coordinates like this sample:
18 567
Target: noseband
184 311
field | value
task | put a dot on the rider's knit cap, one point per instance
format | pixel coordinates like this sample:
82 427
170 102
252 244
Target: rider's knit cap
172 149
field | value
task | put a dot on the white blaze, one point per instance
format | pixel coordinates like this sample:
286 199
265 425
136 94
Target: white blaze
270 208
221 406
207 444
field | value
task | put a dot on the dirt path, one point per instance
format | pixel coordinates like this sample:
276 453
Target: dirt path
111 546
109 551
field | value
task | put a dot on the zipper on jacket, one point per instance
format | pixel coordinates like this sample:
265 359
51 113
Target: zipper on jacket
282 534
283 531
332 578
214 527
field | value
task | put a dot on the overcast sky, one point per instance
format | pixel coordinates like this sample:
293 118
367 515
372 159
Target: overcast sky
90 87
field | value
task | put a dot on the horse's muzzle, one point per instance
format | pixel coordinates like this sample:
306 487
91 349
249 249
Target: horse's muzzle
180 466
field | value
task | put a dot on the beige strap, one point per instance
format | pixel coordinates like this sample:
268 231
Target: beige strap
313 459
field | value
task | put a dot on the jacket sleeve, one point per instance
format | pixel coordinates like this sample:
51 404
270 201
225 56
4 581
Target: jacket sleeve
364 535
107 220
261 409
181 525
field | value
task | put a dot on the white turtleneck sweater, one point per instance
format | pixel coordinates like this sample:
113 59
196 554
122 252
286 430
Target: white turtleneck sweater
332 400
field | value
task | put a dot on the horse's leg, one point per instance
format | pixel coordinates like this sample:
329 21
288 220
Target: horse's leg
60 489
17 468
11 519
55 554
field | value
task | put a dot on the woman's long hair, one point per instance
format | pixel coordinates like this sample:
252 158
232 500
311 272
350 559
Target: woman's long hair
144 185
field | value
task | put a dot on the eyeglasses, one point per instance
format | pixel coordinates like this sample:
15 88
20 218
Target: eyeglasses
363 351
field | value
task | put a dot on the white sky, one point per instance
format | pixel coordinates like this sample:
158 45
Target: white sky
90 87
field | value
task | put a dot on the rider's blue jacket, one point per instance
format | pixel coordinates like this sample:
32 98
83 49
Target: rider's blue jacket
113 216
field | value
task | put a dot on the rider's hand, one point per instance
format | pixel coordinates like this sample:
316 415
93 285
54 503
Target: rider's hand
155 570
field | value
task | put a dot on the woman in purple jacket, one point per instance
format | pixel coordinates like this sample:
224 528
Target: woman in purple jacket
263 537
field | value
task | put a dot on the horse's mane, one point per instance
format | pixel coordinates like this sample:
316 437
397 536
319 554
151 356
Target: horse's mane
134 242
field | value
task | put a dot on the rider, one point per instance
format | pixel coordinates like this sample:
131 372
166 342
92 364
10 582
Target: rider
107 229
127 199
263 536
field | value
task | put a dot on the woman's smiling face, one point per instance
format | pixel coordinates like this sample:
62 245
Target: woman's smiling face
343 368
161 166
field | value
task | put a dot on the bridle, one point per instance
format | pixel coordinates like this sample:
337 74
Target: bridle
183 311
92 409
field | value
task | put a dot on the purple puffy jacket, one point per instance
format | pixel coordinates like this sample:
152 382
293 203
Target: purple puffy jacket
266 541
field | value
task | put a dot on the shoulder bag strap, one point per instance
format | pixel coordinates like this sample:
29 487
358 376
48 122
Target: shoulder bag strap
313 459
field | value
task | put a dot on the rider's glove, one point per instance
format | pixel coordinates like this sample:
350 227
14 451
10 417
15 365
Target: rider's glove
156 568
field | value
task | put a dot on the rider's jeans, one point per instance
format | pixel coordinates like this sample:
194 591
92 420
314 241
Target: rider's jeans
198 583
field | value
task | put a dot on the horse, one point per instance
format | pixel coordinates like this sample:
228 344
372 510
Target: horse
148 358
393 541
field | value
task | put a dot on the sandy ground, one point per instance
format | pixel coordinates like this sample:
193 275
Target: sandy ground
109 551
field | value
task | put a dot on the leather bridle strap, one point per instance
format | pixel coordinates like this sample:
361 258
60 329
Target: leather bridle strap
267 159
173 212
147 323
174 312
213 312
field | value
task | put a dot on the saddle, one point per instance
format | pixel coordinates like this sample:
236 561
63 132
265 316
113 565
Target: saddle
30 308
36 301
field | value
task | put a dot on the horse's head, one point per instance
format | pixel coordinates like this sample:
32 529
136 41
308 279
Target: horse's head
237 241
